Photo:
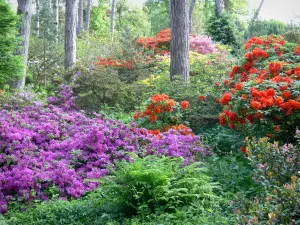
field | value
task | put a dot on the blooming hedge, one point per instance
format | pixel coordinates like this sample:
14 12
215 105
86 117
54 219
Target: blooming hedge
58 148
264 89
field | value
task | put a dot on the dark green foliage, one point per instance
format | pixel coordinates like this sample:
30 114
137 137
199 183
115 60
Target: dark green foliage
10 65
223 140
77 212
234 174
202 114
224 30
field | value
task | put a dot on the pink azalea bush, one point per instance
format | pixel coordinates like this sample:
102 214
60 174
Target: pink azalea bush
57 146
202 44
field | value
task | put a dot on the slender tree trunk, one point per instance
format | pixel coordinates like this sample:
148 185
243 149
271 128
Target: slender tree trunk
37 17
80 17
220 6
70 33
56 19
180 63
192 6
88 15
113 13
24 9
49 15
257 12
254 18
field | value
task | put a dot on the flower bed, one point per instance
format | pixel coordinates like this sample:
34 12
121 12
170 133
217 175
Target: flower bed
58 148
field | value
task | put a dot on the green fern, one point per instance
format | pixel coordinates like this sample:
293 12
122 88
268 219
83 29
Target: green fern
157 185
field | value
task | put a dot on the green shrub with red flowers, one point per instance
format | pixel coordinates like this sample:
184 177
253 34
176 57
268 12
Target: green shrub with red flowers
262 94
161 114
276 170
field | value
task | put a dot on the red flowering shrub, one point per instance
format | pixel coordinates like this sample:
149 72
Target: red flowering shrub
162 114
159 44
264 89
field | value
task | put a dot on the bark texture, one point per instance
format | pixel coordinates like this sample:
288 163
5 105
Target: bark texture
113 13
192 6
80 17
25 11
88 15
180 63
70 33
220 6
37 17
56 18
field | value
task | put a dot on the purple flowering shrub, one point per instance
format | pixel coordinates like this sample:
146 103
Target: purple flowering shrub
57 146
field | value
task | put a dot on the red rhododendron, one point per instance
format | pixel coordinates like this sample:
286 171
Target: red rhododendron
263 87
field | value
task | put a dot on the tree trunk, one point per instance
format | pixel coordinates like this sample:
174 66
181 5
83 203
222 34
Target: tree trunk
220 6
24 9
192 6
88 15
70 33
255 16
257 12
56 19
180 63
113 12
37 17
80 17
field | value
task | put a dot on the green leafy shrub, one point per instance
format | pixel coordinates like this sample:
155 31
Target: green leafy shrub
46 63
223 140
157 185
276 170
234 174
293 36
98 89
84 211
267 27
10 65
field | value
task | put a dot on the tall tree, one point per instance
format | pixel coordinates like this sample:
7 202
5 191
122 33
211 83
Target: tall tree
80 17
88 15
180 63
70 33
113 13
56 18
257 12
220 6
254 18
25 11
192 6
37 17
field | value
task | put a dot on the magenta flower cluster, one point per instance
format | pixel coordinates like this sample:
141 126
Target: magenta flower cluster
57 146
202 44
